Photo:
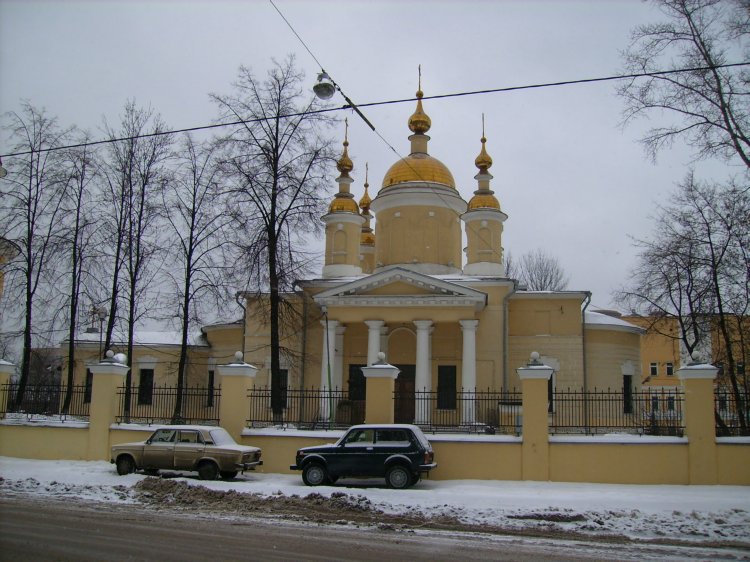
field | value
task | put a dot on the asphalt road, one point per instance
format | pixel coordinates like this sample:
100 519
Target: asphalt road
36 529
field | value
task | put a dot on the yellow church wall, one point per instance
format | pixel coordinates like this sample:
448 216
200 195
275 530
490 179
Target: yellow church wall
398 288
483 243
418 234
608 352
565 352
539 315
623 463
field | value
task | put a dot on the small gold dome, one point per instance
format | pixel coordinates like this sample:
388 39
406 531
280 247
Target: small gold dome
484 200
419 167
345 164
343 205
419 122
364 203
484 160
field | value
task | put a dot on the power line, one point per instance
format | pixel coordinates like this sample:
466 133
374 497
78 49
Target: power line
387 102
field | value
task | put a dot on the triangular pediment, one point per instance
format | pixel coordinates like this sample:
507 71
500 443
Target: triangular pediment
401 287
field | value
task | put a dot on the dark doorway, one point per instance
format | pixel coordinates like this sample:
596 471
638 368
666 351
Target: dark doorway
403 408
357 394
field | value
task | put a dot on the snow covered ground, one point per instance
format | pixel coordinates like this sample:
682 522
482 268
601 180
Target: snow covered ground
708 514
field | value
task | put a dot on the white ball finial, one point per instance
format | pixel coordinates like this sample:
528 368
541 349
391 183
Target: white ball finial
534 356
110 354
239 357
121 358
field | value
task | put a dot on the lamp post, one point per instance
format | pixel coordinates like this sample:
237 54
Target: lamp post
101 313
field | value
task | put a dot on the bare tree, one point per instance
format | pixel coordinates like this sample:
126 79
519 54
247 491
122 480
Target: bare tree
196 213
79 224
277 165
537 270
135 176
709 107
696 269
31 203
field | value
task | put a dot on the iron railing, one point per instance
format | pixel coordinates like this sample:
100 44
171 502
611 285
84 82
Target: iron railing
467 411
200 405
732 412
45 400
644 412
308 408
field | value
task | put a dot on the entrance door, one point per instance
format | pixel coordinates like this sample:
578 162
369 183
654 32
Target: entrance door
403 408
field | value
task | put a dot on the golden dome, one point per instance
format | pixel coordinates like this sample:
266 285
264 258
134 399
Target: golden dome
484 200
343 205
419 122
345 164
484 160
364 203
419 167
367 238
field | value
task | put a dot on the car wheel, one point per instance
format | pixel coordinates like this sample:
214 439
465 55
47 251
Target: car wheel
314 474
228 474
208 471
125 465
398 477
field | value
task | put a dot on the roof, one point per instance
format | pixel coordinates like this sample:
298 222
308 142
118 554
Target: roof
146 337
597 320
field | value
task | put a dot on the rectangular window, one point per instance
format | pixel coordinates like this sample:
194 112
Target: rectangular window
627 394
670 403
279 385
210 389
146 386
446 391
670 369
741 368
653 370
654 403
88 387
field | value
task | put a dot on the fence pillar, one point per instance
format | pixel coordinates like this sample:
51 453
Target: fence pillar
236 380
700 426
107 377
6 371
380 379
535 448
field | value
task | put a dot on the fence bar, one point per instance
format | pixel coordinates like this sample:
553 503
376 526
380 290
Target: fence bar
46 401
200 405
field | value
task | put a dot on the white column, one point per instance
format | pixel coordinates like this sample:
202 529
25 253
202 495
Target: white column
327 358
338 364
373 340
423 378
469 368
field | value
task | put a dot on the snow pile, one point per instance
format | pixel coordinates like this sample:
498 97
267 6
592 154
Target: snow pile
706 514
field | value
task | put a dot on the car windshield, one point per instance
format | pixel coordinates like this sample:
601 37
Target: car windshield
221 437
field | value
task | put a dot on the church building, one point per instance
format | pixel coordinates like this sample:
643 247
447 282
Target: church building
397 280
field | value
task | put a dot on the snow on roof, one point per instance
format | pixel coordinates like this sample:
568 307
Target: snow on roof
147 337
597 319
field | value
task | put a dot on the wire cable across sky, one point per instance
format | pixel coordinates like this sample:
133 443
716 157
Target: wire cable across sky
504 89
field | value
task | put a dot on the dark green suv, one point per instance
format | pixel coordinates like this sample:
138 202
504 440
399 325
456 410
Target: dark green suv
400 453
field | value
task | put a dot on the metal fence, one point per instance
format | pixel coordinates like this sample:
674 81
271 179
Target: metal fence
467 411
200 405
732 412
304 408
46 401
645 412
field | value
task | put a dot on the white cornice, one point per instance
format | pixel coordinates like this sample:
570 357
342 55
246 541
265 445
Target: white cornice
418 194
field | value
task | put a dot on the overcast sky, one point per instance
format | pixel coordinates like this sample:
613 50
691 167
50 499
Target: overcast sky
572 181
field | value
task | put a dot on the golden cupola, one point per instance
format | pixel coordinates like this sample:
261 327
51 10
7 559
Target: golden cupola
484 222
343 201
484 197
367 238
417 208
419 166
343 223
